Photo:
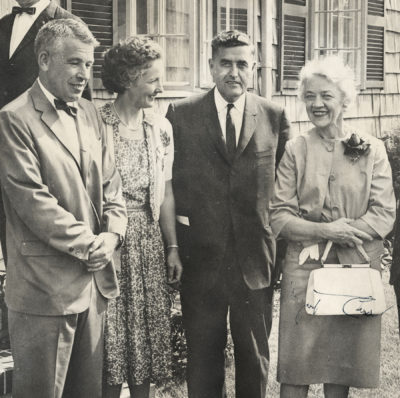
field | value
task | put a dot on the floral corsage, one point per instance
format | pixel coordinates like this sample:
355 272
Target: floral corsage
355 147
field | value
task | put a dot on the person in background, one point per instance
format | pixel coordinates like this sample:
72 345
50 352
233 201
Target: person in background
18 63
65 218
395 267
227 145
138 330
333 183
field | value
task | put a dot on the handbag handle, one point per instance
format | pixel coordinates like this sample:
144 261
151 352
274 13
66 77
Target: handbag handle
328 246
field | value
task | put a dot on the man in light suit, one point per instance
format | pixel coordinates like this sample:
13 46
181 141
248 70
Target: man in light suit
18 66
65 217
227 143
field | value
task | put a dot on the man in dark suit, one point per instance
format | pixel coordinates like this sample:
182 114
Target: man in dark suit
227 144
18 65
65 217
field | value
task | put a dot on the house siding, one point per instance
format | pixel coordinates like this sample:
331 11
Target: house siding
375 111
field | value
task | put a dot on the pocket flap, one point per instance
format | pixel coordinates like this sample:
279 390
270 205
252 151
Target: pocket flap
267 152
38 248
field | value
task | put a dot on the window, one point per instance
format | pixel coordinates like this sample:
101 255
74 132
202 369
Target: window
353 29
218 15
183 28
168 23
100 16
337 30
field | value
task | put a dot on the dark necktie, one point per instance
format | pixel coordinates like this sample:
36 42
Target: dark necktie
230 132
63 106
20 10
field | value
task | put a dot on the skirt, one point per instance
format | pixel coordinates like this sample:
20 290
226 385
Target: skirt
342 349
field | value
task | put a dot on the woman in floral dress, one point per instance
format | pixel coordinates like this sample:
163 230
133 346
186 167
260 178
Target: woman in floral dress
137 330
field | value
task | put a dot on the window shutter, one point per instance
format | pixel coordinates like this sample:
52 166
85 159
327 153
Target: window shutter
98 15
375 40
294 27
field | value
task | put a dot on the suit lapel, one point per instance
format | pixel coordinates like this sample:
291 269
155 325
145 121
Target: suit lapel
51 119
249 124
6 28
84 129
212 125
82 126
45 16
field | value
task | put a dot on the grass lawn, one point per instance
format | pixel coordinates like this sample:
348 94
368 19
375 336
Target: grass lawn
390 359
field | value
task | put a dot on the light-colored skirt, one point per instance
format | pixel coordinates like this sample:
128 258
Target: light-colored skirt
342 350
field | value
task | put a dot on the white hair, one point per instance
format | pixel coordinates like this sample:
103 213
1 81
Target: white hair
332 68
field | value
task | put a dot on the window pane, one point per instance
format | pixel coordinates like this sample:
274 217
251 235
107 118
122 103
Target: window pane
338 30
231 14
167 22
177 47
221 15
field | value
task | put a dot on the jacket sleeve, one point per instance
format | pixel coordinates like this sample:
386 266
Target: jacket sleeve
381 211
284 205
30 198
284 136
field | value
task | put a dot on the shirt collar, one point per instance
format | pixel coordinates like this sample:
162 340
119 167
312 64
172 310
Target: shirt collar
40 6
221 103
51 97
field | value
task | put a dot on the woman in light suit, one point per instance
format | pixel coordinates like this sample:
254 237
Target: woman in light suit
333 183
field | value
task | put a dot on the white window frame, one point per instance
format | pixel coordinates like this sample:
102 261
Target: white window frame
340 45
206 35
131 7
307 11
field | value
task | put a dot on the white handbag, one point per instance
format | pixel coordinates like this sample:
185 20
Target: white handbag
345 289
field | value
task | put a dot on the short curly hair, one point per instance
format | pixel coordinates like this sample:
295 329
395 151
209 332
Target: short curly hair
332 68
124 62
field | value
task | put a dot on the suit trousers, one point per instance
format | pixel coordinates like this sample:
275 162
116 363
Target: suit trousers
59 356
205 321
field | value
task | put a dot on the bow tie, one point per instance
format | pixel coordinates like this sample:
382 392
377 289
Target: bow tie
20 10
63 106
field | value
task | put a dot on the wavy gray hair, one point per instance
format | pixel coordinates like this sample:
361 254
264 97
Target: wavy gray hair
50 34
332 68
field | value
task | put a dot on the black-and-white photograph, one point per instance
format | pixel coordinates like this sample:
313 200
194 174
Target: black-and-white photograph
199 198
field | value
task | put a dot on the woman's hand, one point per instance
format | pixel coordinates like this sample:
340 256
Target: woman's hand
342 233
174 267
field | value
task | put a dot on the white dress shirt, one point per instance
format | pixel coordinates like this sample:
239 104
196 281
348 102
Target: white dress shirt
23 22
68 123
236 113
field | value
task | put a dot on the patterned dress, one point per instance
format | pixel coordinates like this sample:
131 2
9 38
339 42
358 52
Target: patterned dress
137 329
